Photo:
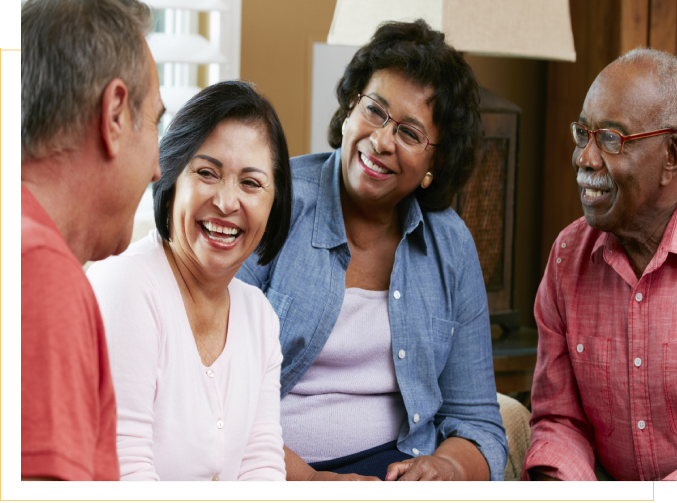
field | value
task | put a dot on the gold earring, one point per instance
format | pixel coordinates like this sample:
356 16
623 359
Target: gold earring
427 180
343 127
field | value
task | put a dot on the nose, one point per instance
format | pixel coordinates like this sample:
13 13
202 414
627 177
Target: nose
589 157
383 138
226 198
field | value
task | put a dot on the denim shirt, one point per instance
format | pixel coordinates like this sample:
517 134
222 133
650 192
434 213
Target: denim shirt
439 319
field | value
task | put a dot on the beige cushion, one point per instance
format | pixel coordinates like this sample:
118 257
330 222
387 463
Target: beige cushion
516 423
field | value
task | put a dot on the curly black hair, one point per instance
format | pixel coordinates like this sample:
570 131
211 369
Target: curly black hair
422 55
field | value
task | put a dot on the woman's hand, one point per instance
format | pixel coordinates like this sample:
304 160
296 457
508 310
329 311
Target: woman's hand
297 469
350 477
455 459
423 468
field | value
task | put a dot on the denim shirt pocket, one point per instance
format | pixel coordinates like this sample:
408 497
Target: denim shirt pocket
591 359
280 303
443 336
670 382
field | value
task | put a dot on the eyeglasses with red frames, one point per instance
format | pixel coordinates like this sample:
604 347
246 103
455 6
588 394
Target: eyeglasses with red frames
408 136
608 140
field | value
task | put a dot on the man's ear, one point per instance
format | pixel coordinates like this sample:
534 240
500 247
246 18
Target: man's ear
114 116
670 168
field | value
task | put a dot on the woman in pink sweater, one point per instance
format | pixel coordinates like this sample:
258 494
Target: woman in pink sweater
195 353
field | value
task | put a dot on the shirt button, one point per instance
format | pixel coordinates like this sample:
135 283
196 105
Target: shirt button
638 362
401 353
219 424
396 294
415 451
215 478
641 425
210 373
564 245
416 418
559 260
579 348
639 297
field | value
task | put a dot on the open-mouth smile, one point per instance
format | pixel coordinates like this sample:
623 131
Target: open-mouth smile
220 234
374 169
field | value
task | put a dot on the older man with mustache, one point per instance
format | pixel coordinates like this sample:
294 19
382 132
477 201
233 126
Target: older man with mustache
605 387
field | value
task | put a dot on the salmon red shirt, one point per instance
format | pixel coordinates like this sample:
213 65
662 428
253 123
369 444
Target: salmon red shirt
68 412
605 385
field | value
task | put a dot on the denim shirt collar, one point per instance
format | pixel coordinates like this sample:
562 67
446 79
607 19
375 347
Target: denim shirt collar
329 230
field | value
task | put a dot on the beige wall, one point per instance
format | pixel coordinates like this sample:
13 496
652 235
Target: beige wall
277 38
277 45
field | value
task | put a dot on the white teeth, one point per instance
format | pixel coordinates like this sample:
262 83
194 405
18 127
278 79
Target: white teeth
593 193
372 166
211 227
222 240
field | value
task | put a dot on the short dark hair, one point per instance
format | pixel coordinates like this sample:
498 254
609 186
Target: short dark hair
190 128
422 55
71 50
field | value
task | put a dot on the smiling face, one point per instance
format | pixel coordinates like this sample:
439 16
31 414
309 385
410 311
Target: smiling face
376 169
222 200
621 193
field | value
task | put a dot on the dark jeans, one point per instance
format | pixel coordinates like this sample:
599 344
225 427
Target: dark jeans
372 462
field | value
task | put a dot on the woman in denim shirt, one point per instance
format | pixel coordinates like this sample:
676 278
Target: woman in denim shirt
384 324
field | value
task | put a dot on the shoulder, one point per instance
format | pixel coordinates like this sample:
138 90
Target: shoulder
577 241
250 295
141 263
449 231
308 167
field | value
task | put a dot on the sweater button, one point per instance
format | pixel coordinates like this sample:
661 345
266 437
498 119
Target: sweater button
219 424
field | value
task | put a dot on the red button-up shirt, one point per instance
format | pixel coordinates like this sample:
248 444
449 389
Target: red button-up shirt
605 384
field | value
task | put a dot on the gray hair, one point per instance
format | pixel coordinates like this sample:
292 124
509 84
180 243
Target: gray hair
71 50
665 71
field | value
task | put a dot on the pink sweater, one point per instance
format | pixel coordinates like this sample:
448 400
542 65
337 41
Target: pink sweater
177 419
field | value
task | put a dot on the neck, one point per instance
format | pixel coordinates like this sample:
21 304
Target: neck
640 245
63 187
196 286
366 223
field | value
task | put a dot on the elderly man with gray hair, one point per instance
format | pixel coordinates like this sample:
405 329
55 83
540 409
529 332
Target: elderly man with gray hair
90 105
605 386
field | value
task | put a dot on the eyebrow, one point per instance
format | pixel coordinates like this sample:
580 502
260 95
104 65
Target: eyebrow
616 126
210 159
256 170
407 119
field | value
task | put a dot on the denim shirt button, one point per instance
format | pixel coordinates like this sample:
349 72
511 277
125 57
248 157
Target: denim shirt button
416 418
396 294
401 354
415 451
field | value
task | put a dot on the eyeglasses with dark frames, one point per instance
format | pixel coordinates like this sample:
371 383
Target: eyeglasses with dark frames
408 136
608 140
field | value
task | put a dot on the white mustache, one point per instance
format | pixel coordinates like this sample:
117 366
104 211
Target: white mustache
597 181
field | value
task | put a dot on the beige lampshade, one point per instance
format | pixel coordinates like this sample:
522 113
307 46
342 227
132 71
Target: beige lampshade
539 29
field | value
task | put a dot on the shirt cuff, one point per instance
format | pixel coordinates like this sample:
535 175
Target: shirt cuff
52 464
493 448
562 462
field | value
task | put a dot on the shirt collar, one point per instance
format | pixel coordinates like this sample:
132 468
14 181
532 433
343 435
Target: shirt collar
668 242
329 229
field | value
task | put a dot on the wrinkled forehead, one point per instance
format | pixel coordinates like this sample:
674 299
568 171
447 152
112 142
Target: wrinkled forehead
625 94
